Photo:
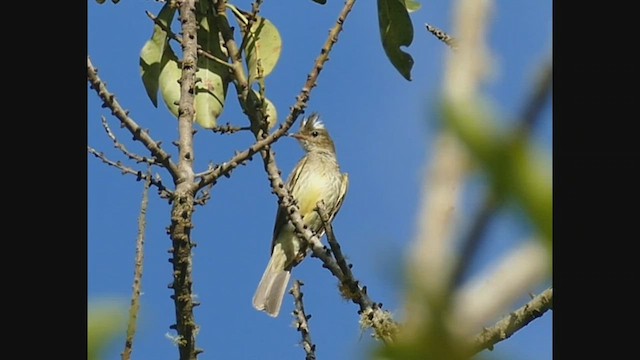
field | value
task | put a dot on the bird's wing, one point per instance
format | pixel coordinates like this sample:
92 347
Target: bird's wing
281 216
344 187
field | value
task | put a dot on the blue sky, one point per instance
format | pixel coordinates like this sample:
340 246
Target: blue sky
382 125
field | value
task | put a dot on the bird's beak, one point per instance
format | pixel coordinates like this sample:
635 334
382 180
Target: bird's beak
297 136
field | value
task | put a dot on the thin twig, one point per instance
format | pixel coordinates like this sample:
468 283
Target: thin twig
118 145
373 316
350 286
205 195
137 277
302 323
513 322
157 182
442 36
228 129
138 133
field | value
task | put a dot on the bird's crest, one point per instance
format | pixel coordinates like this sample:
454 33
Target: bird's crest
313 122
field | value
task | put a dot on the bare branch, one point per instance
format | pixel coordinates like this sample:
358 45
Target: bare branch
350 288
515 321
205 195
157 182
137 277
138 133
228 129
183 205
302 324
118 145
384 326
442 36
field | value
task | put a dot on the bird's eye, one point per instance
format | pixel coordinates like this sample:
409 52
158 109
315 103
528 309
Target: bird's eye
314 133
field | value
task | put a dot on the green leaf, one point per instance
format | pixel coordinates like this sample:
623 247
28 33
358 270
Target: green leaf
263 48
396 30
168 80
270 110
412 5
211 90
152 54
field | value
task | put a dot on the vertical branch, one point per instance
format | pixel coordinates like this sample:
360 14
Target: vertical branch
137 277
183 202
302 324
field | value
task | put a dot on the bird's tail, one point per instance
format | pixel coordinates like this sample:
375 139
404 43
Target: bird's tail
270 291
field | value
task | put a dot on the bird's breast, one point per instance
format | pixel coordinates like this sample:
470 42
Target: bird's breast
316 186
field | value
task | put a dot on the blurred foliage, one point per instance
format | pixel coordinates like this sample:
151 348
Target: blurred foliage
106 321
515 167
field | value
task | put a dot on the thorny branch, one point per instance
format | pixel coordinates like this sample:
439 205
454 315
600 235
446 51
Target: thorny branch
302 323
183 204
349 285
138 133
442 36
137 277
118 145
515 321
157 182
371 313
228 129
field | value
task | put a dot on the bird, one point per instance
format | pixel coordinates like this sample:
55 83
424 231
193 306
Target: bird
315 177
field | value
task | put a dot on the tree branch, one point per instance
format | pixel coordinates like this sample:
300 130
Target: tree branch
302 324
515 321
138 133
162 190
228 129
183 205
137 277
442 36
372 315
349 285
118 145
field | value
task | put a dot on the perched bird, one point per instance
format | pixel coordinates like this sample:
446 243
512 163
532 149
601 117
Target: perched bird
316 177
